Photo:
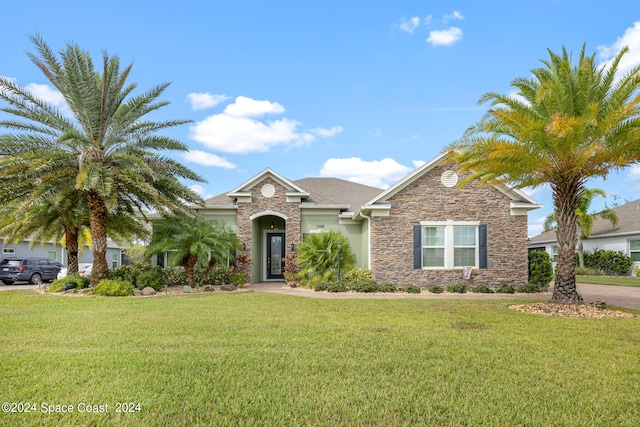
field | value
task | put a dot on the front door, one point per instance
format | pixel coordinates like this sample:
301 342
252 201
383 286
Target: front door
275 256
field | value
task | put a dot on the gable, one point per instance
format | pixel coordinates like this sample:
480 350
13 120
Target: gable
293 192
447 178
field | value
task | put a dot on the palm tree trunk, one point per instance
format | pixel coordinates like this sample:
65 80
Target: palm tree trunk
71 245
98 225
565 199
188 263
210 264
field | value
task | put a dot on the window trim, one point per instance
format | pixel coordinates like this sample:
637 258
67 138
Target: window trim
8 251
449 243
633 251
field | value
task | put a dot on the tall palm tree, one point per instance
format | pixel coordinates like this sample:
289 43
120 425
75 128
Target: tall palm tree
108 142
569 123
194 240
585 219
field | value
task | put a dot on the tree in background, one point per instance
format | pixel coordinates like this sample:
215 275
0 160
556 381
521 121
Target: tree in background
105 140
566 124
585 219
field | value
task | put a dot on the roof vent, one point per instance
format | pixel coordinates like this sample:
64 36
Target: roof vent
268 190
449 178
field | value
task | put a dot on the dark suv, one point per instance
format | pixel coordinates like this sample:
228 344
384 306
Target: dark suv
33 270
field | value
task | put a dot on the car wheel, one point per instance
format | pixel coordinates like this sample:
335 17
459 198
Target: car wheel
36 279
7 282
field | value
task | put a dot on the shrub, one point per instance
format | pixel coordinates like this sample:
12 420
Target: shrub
481 289
152 278
291 268
322 286
436 289
175 276
235 277
57 285
336 287
613 263
529 288
540 268
356 276
366 286
413 289
587 271
505 289
457 288
132 271
113 288
387 287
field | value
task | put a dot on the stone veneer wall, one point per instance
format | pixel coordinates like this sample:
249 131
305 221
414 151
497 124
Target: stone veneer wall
426 199
277 203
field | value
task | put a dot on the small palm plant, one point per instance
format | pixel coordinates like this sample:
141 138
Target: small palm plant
318 257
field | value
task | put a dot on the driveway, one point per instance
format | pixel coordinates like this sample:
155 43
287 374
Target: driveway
621 296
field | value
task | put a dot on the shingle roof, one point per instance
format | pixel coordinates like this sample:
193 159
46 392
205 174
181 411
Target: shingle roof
335 191
628 223
323 191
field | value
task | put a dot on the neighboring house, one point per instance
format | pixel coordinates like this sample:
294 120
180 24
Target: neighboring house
624 237
424 230
58 252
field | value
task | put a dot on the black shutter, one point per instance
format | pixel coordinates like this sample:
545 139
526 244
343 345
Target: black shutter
482 246
417 247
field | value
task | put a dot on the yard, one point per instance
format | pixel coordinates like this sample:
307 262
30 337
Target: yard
262 359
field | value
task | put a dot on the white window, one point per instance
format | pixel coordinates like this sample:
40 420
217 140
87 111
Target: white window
449 244
634 250
554 253
9 251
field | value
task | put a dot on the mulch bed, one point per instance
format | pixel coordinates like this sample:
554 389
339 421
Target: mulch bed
570 310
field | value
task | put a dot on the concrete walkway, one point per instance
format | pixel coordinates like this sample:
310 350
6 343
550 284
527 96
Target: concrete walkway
621 296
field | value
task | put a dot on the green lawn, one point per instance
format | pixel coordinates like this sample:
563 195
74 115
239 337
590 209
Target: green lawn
249 359
609 280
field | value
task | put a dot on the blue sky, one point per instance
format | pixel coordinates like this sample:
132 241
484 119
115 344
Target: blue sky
361 90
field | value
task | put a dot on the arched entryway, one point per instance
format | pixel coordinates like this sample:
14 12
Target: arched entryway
268 246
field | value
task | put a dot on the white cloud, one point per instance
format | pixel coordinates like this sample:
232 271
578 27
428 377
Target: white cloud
634 173
247 107
207 159
536 226
239 130
445 37
377 173
201 101
410 25
630 38
327 133
49 95
454 15
418 163
201 191
375 132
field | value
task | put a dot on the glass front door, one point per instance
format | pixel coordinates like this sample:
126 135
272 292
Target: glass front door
275 256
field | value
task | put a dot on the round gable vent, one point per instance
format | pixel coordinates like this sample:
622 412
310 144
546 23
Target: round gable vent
268 190
449 178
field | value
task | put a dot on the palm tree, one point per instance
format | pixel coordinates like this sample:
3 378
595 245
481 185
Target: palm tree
569 123
318 257
585 219
106 140
193 240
